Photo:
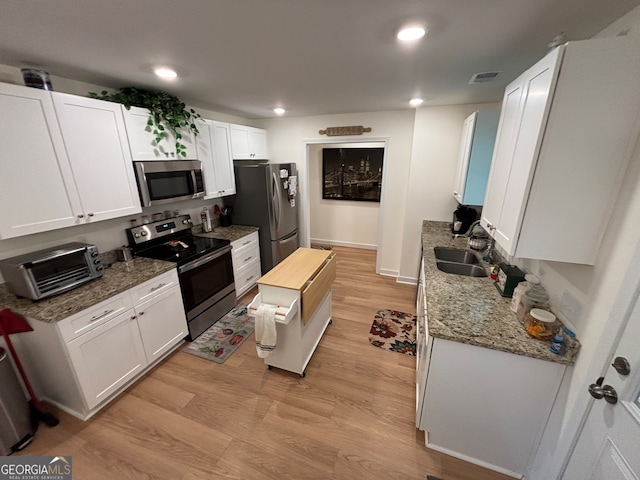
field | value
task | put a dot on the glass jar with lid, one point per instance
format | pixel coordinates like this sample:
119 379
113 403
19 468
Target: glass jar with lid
534 297
541 324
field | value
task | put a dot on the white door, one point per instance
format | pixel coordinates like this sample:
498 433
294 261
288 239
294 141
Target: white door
107 357
502 155
608 444
539 85
162 322
37 192
96 142
463 157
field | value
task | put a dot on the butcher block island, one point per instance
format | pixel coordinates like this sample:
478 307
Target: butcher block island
300 286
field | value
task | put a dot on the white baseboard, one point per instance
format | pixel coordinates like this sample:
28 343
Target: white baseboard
336 243
475 461
407 280
388 273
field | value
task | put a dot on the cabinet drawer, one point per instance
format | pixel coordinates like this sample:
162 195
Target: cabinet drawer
244 244
246 255
90 318
317 288
247 276
154 286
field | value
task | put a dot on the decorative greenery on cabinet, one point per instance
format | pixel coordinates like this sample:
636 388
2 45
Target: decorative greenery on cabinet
167 112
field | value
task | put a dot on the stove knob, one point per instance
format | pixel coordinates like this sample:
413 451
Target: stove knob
137 235
143 233
186 221
94 253
99 268
96 261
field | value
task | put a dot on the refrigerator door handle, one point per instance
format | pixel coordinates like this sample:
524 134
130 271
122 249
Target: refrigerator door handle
275 197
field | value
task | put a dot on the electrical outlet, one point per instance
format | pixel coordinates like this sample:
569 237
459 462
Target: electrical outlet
571 307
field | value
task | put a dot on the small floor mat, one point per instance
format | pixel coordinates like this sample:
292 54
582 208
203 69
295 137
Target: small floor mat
223 337
394 331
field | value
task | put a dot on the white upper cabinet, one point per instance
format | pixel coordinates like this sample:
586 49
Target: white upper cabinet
214 150
96 144
474 160
37 189
565 136
142 141
248 143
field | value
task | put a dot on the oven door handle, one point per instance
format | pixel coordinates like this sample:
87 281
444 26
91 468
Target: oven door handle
201 261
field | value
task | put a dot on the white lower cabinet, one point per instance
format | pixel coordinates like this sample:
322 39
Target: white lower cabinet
161 322
81 362
245 255
107 357
486 406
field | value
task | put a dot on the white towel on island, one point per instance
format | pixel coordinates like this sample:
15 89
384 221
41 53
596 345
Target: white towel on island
265 323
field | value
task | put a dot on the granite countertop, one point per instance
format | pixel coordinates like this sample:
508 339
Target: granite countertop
231 233
116 279
471 310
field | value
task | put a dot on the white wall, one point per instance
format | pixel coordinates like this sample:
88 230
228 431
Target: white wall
288 139
434 157
333 222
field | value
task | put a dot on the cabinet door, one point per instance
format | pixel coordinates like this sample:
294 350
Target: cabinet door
502 156
214 150
37 190
240 142
107 357
463 157
162 323
96 142
258 143
142 142
248 143
538 85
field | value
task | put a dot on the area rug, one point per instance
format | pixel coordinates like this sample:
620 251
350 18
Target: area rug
394 331
224 337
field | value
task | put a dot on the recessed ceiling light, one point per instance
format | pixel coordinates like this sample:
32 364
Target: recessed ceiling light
279 110
408 34
414 102
165 73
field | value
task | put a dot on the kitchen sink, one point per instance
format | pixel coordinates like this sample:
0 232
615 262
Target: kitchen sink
462 269
456 255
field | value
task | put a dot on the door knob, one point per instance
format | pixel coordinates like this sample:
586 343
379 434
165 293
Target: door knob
596 390
607 392
610 394
621 365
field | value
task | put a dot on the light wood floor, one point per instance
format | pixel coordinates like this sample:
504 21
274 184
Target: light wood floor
351 417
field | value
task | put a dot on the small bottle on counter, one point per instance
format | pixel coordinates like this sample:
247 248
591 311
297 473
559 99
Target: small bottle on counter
556 343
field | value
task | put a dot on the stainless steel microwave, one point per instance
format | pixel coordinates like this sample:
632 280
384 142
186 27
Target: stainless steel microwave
54 270
166 181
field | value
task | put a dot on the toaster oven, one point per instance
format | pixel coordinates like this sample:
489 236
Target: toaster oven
54 270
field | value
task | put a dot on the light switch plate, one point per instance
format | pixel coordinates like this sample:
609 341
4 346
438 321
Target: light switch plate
571 307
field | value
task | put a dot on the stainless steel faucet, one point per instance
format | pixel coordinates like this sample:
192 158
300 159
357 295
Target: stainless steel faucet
468 232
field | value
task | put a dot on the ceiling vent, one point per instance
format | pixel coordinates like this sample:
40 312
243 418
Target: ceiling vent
483 77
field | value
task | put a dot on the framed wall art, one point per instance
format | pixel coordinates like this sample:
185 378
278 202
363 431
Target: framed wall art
352 174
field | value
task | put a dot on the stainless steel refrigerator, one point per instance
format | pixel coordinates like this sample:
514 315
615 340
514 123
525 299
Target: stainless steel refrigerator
266 197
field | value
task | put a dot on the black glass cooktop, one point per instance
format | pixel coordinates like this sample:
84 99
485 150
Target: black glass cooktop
184 249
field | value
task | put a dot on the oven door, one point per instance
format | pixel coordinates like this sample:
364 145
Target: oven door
206 281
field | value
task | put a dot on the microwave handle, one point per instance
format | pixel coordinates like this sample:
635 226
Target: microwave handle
55 255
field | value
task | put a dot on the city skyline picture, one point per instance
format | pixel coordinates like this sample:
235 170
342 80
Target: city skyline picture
352 173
